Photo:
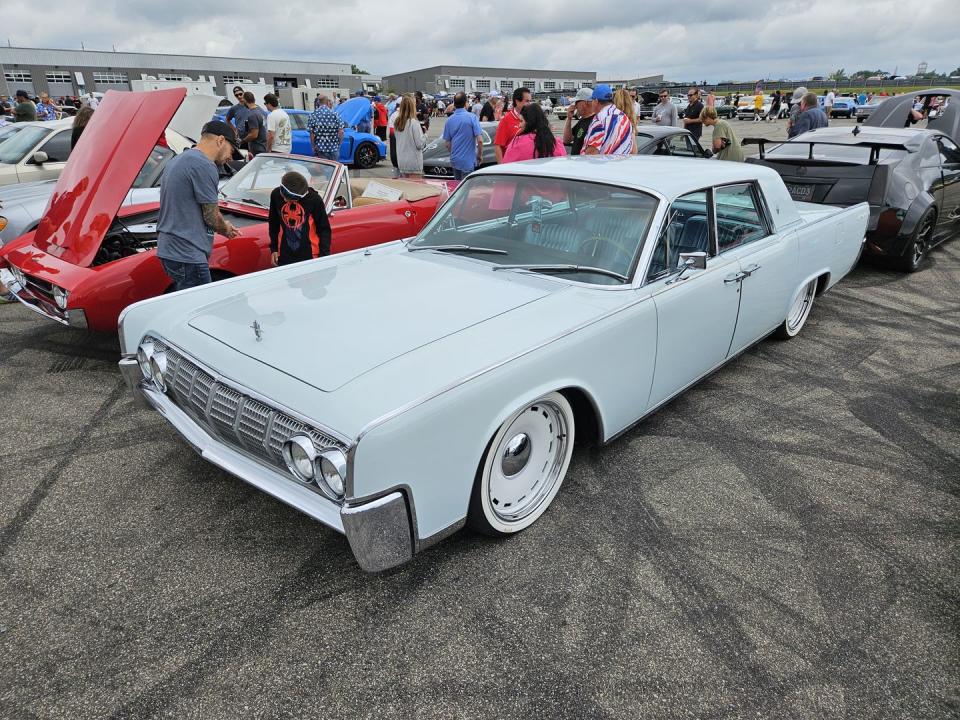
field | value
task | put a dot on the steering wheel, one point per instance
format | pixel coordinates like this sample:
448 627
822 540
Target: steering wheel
596 240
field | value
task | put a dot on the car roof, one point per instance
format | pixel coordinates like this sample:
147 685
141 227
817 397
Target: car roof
660 131
53 124
668 176
910 138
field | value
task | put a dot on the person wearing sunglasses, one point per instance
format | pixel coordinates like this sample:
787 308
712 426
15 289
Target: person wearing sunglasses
298 223
238 110
691 115
665 113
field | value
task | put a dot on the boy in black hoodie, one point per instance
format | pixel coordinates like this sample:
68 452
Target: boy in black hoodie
299 226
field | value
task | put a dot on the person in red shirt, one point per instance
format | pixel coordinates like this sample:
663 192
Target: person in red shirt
511 124
380 120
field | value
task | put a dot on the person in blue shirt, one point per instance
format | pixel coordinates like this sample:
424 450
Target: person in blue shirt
811 116
463 137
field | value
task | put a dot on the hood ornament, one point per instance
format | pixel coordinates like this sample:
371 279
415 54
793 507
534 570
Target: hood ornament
257 330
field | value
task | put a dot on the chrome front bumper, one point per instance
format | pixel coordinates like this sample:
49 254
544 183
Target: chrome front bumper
379 531
42 306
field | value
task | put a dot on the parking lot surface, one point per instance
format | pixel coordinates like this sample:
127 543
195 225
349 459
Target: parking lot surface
781 541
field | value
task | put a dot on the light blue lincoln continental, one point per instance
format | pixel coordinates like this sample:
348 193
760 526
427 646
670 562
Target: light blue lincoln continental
399 393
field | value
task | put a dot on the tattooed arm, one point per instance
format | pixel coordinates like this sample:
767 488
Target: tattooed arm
215 221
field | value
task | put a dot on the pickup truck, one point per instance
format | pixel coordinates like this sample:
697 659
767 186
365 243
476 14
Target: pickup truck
400 392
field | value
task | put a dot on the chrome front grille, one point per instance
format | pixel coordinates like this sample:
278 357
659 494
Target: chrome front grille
232 416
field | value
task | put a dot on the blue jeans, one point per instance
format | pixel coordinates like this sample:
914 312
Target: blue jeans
186 275
459 175
331 155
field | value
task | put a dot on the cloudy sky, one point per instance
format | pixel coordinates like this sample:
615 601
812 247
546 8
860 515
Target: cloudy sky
711 40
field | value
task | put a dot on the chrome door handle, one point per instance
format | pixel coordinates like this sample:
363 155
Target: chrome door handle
736 277
750 270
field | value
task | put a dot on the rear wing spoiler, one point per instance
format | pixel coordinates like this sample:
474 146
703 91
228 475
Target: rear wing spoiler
875 147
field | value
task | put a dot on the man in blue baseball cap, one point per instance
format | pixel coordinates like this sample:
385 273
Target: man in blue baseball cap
611 132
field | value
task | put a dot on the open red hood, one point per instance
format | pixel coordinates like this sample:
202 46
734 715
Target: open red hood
101 169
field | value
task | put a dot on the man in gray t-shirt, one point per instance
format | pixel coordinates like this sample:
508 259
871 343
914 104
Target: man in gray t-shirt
665 114
189 215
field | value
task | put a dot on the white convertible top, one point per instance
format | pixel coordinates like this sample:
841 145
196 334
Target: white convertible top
670 177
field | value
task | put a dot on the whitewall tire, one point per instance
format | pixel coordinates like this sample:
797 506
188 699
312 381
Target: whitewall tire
524 467
799 311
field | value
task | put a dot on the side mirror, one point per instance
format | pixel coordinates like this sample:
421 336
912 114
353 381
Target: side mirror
695 260
708 153
40 157
339 202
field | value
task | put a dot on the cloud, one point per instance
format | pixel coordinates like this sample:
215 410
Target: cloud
710 40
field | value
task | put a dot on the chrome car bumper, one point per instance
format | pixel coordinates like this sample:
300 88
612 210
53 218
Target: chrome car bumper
41 305
379 531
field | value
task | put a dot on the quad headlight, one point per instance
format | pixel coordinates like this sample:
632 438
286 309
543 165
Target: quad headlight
326 468
18 275
158 370
144 353
60 296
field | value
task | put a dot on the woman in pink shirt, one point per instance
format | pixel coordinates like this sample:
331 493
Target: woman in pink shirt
536 140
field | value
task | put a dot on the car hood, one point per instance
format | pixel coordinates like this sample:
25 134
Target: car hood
101 170
194 112
354 110
328 322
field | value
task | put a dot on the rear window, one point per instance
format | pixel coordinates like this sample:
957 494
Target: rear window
839 153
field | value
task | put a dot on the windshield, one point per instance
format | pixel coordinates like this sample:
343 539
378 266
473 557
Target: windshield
258 178
510 220
20 141
845 153
149 175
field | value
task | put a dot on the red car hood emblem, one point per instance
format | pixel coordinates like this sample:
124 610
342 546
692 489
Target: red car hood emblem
101 169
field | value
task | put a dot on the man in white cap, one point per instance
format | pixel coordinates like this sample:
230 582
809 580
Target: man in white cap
585 109
795 106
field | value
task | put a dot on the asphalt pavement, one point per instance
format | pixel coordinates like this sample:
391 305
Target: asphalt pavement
779 542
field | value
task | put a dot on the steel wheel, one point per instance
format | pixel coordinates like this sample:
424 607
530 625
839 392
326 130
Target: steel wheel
799 312
366 156
524 466
919 242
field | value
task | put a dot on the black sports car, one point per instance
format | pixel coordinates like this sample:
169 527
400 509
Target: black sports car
910 178
667 140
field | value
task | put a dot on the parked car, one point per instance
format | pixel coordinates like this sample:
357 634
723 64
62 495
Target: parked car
90 257
896 112
648 101
436 157
668 140
561 111
910 178
863 111
400 394
22 205
360 149
725 109
745 107
31 151
844 107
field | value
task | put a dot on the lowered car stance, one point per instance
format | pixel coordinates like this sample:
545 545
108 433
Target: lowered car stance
91 256
909 177
399 393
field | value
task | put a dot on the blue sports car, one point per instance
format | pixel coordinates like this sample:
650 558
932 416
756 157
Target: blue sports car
361 149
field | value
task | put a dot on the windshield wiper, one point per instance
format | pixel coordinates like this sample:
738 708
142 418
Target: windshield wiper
253 202
565 269
458 248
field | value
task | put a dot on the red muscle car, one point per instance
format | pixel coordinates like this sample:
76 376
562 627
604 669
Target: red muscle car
89 259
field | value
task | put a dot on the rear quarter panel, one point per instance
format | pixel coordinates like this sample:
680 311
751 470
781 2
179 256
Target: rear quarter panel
832 244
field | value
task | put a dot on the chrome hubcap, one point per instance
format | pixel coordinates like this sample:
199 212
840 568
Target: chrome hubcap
801 307
530 460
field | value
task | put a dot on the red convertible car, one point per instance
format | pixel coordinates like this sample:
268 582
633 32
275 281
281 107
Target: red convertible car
89 259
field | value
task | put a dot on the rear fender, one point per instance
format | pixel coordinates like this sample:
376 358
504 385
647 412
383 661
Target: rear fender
917 208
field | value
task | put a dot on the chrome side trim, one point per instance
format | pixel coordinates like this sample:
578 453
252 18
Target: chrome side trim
393 414
424 543
379 532
251 471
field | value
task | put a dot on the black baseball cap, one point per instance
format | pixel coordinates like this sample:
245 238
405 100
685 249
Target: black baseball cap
224 130
21 93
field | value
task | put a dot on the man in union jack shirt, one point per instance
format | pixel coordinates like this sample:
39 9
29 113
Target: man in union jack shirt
611 132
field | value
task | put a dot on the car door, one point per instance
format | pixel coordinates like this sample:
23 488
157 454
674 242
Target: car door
300 144
767 260
948 223
57 147
696 309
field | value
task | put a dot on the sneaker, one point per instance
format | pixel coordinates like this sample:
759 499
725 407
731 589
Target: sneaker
7 298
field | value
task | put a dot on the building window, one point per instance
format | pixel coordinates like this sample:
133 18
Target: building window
17 77
483 84
328 82
530 84
235 79
506 85
569 86
549 85
59 76
458 84
172 78
110 78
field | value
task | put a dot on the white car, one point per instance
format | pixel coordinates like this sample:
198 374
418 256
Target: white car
400 392
31 151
